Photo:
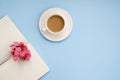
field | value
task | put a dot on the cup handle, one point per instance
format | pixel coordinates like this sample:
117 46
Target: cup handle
43 29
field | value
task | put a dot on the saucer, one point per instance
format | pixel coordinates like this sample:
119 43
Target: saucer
67 28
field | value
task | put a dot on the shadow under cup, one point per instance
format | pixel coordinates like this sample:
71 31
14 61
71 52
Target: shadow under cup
55 24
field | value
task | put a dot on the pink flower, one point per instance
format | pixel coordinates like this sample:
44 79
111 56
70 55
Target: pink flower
20 51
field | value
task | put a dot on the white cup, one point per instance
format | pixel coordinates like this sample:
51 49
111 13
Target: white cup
46 28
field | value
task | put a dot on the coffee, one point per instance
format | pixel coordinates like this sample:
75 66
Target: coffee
55 23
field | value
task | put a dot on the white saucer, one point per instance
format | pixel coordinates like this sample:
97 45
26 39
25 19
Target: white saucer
68 21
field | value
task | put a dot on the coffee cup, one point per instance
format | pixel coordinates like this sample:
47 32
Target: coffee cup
54 24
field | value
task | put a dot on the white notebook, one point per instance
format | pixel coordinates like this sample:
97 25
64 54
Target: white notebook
33 69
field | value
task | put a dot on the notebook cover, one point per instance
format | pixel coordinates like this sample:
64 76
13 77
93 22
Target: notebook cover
19 70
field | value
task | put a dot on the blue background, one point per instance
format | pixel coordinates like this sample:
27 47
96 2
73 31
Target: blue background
92 51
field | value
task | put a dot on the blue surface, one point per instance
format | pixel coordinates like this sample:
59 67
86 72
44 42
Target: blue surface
92 51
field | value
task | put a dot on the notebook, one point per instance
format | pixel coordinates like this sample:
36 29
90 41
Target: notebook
33 69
